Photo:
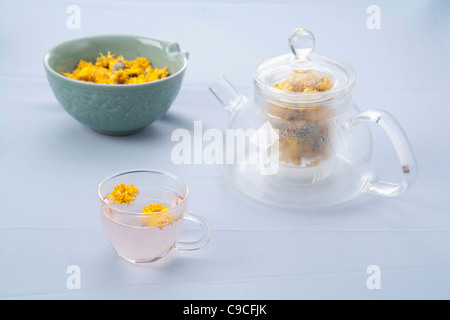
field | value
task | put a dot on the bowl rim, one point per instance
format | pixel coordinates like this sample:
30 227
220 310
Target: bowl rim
107 85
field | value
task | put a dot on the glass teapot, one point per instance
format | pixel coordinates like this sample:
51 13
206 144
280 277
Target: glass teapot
300 141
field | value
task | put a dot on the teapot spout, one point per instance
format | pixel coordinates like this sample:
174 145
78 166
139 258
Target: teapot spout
226 93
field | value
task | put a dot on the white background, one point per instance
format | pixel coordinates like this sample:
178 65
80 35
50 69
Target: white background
50 165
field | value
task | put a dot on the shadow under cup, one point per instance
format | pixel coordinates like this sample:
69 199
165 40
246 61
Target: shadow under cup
147 237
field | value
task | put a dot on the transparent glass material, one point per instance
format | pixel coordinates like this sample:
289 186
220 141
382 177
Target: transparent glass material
317 146
141 237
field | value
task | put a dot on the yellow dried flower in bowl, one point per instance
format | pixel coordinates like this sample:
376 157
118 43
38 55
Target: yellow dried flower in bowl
110 69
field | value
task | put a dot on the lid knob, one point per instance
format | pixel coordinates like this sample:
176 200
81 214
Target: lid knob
302 43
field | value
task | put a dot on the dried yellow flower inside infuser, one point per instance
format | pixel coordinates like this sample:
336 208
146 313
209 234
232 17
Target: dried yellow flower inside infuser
304 130
305 81
123 194
155 216
111 70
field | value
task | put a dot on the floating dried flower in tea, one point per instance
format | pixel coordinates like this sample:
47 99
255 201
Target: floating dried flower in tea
123 194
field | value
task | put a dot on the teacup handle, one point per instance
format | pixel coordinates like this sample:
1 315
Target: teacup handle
204 239
401 145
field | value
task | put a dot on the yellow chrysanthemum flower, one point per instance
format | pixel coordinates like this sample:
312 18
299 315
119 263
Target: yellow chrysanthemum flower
305 81
123 193
154 218
110 69
153 208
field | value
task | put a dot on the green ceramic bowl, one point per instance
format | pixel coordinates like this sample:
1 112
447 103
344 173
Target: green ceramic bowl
115 109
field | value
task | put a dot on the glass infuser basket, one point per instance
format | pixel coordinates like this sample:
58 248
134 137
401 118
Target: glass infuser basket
299 140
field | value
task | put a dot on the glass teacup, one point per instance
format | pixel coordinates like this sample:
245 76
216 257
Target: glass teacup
143 213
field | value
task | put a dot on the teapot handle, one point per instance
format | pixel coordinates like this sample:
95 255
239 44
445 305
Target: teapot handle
401 145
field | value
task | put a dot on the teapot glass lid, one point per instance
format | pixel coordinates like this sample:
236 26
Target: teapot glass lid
303 74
